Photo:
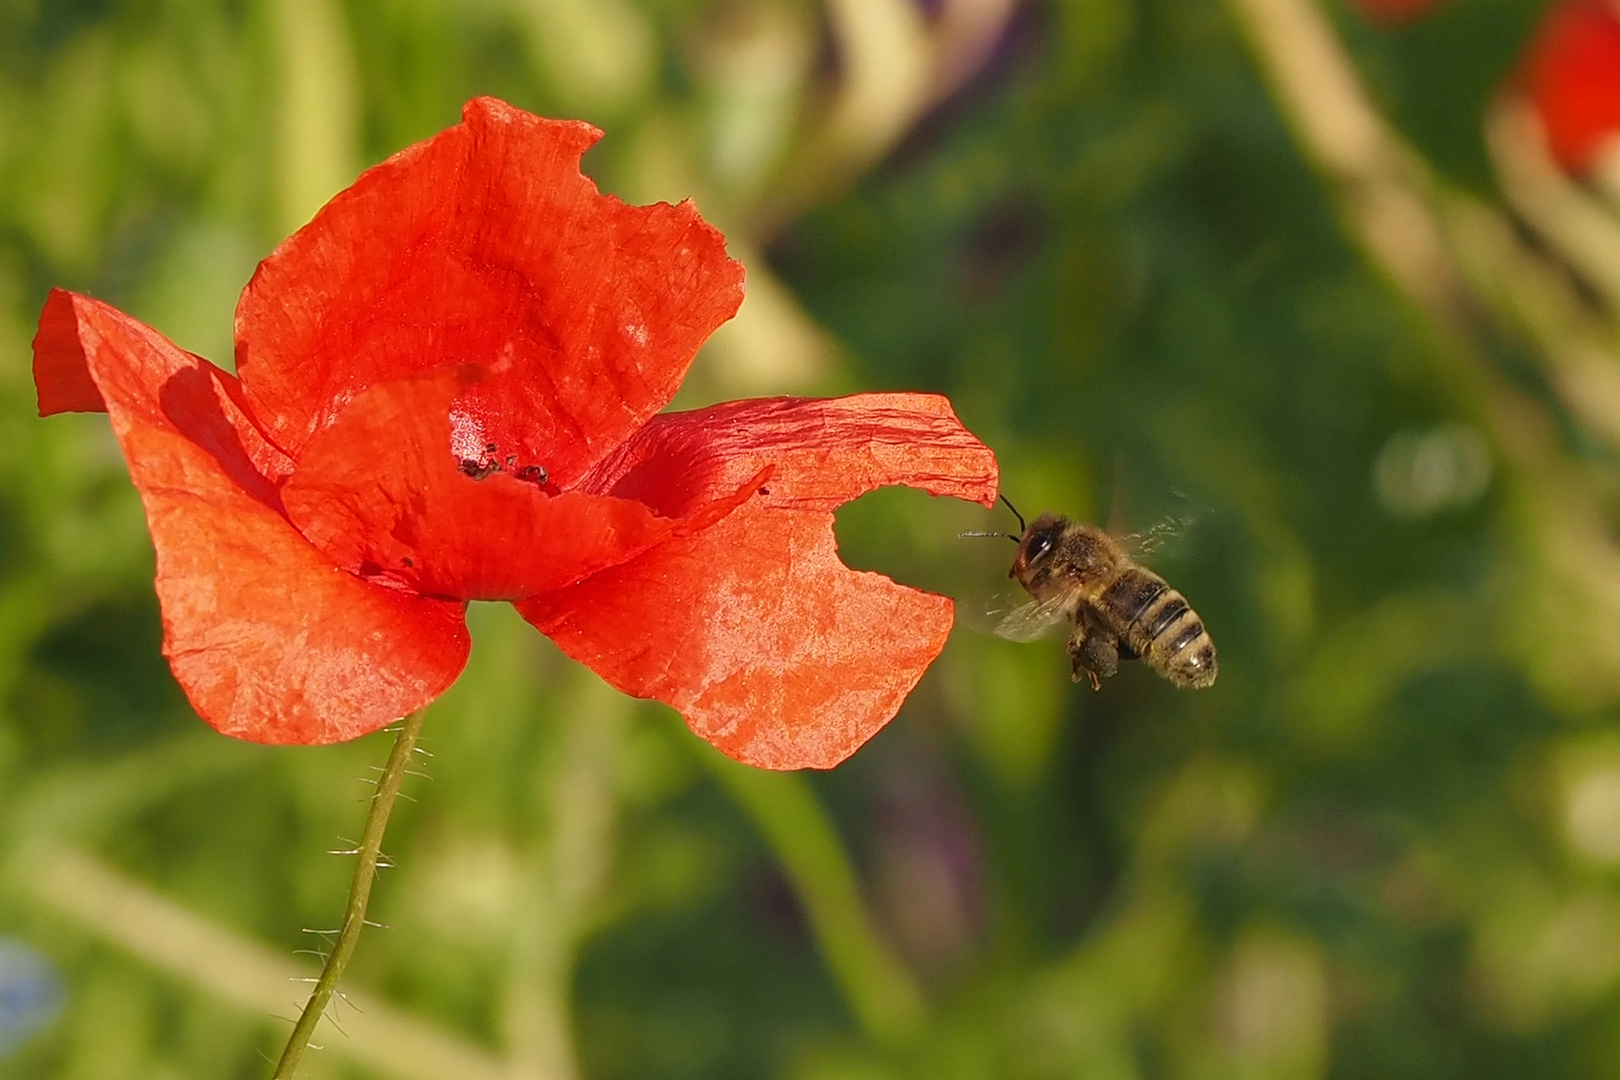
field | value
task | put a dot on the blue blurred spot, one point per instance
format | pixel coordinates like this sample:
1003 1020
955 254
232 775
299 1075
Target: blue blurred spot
30 993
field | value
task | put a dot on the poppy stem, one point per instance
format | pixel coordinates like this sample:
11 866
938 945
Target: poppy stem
354 916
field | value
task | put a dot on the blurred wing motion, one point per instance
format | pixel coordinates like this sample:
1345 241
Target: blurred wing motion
1034 620
1178 514
1173 535
1142 545
983 612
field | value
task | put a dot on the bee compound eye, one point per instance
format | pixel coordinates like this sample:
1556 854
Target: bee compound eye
1040 544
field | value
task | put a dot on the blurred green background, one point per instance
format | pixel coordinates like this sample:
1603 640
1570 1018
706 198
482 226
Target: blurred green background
1118 234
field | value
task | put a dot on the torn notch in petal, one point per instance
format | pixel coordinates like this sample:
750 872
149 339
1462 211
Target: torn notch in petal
770 647
773 649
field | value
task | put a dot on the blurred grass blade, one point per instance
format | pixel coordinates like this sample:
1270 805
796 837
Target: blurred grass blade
78 801
800 833
317 111
239 971
599 55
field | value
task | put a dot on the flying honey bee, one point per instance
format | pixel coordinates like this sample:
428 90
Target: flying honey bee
1079 574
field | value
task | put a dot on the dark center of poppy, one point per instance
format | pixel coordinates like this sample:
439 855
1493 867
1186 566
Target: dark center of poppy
491 461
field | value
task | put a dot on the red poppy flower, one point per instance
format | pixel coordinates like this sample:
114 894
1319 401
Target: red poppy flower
1572 77
1394 12
447 387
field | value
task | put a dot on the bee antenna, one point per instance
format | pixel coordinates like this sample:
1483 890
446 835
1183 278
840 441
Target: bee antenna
1021 526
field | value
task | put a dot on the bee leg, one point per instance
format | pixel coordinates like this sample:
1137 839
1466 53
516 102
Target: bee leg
1093 650
1077 667
1080 667
1076 649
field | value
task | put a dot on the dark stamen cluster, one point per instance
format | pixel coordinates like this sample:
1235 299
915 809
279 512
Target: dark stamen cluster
491 462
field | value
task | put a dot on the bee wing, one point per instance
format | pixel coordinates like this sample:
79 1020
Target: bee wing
1173 535
983 612
1143 545
1178 515
1032 621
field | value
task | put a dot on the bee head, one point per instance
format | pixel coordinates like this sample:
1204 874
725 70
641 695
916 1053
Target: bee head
1036 546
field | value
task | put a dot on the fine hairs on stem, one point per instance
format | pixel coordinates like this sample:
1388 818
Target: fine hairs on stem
354 914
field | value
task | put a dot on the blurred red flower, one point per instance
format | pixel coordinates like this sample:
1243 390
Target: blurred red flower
1394 12
447 392
1571 74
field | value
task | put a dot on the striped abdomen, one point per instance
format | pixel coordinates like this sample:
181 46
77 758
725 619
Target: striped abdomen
1155 622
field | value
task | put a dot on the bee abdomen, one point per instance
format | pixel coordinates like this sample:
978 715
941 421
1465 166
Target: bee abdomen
1131 596
1172 639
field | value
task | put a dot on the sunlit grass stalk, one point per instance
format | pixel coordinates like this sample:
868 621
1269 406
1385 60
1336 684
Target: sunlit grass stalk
354 916
880 990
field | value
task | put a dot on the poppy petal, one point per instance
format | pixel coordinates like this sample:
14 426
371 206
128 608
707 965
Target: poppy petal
824 452
268 639
439 514
485 244
773 649
61 377
1572 74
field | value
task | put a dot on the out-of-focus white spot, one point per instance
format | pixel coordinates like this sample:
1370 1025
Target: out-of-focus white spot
1592 815
1541 956
468 888
1271 1012
1421 473
598 57
1582 943
753 59
636 333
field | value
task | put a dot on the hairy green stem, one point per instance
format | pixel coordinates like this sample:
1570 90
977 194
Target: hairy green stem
354 916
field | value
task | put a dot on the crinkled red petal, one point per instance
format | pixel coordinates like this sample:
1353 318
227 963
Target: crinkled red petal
824 452
772 649
486 245
270 641
1572 74
396 492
